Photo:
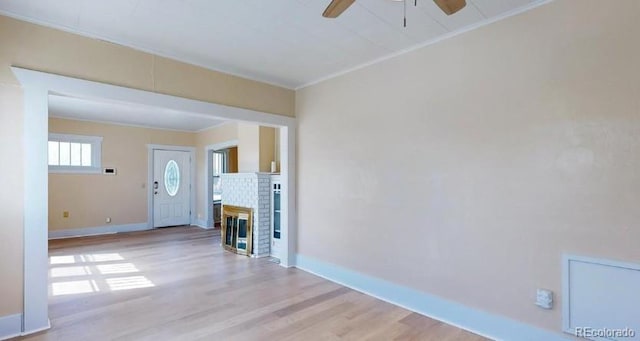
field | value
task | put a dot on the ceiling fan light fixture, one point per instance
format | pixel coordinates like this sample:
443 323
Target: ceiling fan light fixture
450 7
336 7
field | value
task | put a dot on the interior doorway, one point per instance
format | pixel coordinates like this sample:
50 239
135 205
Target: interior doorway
37 86
219 165
221 158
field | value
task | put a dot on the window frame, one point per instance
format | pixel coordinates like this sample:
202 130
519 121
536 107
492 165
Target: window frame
96 154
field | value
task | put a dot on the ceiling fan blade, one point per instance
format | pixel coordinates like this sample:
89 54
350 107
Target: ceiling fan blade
336 7
450 6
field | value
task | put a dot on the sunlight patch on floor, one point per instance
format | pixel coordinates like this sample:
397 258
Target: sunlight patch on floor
70 271
126 283
72 287
62 260
120 268
103 257
90 273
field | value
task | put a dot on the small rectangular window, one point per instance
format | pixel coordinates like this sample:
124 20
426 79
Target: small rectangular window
74 153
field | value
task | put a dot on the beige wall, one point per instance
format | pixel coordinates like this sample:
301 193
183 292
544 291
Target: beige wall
276 151
44 49
468 167
35 47
267 148
248 148
256 146
232 162
11 200
91 198
124 197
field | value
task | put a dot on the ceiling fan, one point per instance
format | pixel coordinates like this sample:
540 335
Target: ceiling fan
336 7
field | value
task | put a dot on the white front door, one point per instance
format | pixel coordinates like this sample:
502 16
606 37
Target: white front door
171 188
276 217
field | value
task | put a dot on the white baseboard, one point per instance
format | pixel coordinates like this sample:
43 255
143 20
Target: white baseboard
91 231
10 326
201 223
29 332
492 326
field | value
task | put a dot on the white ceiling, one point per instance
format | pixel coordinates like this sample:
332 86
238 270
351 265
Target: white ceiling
127 114
284 42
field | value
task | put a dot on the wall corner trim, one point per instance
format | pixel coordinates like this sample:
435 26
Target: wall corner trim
10 326
476 321
97 230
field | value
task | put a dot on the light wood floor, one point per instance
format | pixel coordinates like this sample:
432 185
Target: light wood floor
178 284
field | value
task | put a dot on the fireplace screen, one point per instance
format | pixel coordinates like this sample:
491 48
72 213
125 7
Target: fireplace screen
236 229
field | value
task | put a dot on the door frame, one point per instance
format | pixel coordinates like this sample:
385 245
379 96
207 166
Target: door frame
37 86
208 151
192 178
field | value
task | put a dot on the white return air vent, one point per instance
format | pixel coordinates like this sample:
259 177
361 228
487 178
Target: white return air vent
601 299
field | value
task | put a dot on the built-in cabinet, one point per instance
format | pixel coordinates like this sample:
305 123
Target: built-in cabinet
275 208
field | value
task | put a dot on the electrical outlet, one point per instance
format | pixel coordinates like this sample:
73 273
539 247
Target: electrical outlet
544 298
65 214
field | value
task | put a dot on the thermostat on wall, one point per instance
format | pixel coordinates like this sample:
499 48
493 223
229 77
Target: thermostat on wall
109 171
